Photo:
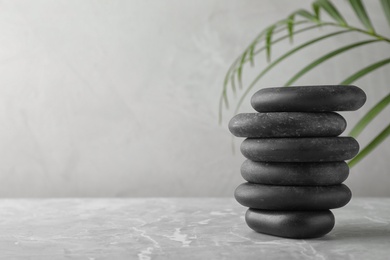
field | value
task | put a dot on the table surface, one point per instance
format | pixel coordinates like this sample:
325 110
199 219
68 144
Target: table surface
204 228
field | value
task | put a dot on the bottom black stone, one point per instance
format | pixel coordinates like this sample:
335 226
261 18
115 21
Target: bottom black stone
291 224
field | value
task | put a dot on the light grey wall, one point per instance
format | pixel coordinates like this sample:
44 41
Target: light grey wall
120 98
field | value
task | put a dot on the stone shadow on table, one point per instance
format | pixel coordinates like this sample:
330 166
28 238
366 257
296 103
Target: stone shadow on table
360 232
351 232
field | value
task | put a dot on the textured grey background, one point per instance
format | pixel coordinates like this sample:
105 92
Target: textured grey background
120 98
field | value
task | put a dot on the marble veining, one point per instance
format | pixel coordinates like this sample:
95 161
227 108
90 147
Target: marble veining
173 228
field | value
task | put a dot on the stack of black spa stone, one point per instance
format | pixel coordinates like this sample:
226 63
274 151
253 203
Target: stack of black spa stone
296 161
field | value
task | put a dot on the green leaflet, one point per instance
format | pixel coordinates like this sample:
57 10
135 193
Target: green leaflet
239 71
371 146
290 27
364 71
386 9
361 13
316 10
253 52
320 60
284 56
303 13
369 116
252 46
331 10
307 15
233 83
287 36
268 39
232 69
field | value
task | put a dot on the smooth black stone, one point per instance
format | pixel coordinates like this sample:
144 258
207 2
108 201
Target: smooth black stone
298 174
272 197
307 149
291 224
287 124
309 99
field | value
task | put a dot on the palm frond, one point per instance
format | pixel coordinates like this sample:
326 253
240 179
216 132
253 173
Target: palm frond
267 38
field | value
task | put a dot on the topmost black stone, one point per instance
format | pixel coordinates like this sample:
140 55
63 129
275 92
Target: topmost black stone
309 99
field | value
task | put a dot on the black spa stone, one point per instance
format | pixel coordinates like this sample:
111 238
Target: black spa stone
272 197
298 174
291 224
307 149
308 99
287 124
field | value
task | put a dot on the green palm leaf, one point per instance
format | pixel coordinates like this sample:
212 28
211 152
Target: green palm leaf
232 69
290 28
288 36
386 9
359 127
255 52
303 13
228 78
331 10
278 27
239 71
233 83
316 10
268 39
371 146
364 71
361 13
286 55
324 58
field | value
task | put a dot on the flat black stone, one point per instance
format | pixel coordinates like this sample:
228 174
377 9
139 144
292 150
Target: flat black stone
307 149
287 124
272 197
309 99
291 224
298 174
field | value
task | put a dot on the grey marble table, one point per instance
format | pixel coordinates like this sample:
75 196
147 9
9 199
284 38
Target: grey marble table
206 228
